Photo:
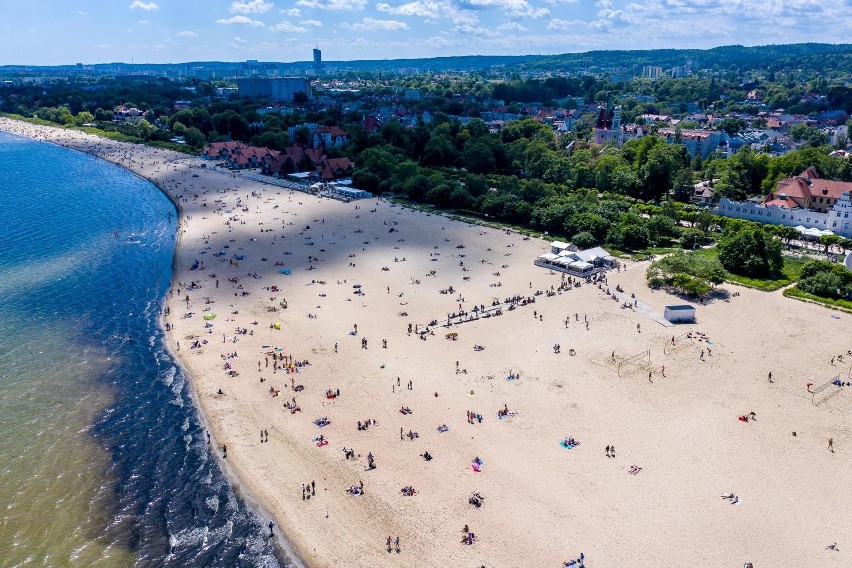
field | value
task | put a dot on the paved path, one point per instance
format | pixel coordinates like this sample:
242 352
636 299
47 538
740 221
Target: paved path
642 308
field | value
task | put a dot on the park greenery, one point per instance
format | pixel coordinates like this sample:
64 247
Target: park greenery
686 273
826 279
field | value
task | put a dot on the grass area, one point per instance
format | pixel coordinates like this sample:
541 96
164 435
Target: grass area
791 273
831 303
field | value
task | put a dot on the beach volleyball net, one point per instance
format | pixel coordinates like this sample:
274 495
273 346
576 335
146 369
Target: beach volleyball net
633 362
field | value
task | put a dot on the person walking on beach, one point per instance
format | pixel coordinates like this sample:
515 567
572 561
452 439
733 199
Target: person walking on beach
770 377
396 545
831 445
389 544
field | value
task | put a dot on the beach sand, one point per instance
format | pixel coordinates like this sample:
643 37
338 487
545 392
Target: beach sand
383 267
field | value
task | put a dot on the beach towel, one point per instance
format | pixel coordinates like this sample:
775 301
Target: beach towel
568 446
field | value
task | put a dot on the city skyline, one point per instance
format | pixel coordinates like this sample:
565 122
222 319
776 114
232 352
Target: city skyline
168 31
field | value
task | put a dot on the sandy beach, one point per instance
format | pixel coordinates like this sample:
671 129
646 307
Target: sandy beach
353 288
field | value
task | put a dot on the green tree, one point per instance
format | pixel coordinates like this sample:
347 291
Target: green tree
83 117
829 241
731 125
584 240
478 157
658 173
751 252
193 137
826 279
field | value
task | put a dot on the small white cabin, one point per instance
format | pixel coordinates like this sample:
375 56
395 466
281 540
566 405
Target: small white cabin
683 313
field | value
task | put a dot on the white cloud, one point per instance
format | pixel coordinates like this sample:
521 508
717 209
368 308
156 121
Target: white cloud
251 6
431 10
608 19
237 42
138 4
477 31
511 27
562 25
243 20
187 33
314 23
334 5
292 12
374 24
288 27
81 12
438 41
143 22
517 8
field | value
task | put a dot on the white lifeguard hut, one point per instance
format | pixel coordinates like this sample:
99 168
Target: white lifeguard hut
683 313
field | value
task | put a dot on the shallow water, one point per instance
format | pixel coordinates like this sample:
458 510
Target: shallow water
103 461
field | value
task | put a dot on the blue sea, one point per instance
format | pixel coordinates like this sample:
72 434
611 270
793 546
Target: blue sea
103 460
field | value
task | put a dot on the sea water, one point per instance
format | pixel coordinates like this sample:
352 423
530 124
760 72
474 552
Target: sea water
103 461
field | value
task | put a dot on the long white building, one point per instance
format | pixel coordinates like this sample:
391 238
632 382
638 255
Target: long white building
838 219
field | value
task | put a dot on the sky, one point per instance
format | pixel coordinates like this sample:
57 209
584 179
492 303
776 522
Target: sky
51 32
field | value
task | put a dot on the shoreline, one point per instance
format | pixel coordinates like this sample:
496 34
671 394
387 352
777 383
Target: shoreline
332 275
283 543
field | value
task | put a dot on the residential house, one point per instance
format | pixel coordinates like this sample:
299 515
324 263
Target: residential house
220 150
697 142
807 191
246 157
702 193
331 169
329 136
127 114
371 124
